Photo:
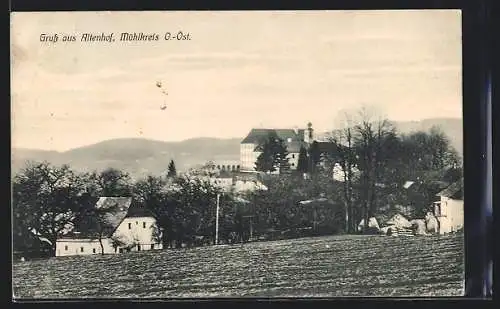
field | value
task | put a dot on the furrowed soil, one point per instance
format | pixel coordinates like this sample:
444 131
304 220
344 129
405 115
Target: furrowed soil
308 267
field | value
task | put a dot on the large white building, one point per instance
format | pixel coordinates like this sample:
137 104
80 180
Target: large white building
294 139
129 229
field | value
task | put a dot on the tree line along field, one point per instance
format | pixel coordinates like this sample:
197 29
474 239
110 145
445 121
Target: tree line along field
355 173
332 266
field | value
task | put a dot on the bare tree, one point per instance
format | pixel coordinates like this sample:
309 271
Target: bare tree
97 225
345 156
370 139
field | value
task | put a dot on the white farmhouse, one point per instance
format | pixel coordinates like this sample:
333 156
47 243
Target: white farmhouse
449 210
131 229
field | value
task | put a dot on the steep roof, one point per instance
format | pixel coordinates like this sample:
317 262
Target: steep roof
455 190
257 136
294 140
120 208
324 147
138 211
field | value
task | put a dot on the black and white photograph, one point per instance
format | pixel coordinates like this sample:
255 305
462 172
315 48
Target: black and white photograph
242 154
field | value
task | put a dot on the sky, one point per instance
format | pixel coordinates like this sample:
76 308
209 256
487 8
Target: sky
239 70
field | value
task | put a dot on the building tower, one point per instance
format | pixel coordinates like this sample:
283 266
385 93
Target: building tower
308 134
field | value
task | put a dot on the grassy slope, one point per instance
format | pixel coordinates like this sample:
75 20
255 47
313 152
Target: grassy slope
324 266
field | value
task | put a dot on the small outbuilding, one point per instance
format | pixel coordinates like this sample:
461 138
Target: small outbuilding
449 209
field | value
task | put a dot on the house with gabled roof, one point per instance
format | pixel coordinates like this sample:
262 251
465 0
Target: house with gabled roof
449 210
128 228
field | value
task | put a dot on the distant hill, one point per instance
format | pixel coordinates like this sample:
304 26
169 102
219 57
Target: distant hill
140 157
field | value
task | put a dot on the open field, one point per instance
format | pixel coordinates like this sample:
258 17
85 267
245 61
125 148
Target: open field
311 267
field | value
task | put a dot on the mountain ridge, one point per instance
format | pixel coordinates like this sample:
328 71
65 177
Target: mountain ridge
141 156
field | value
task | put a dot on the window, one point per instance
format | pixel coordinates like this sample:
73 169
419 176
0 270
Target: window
93 250
130 226
143 225
138 247
437 209
65 248
120 250
152 246
81 249
293 156
136 223
293 164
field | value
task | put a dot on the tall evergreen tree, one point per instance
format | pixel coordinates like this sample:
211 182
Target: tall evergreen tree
273 155
281 156
265 161
314 157
172 171
303 164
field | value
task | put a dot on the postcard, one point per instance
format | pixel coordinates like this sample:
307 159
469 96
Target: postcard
262 154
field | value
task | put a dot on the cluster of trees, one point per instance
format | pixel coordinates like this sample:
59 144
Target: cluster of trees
294 205
372 159
49 201
373 162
